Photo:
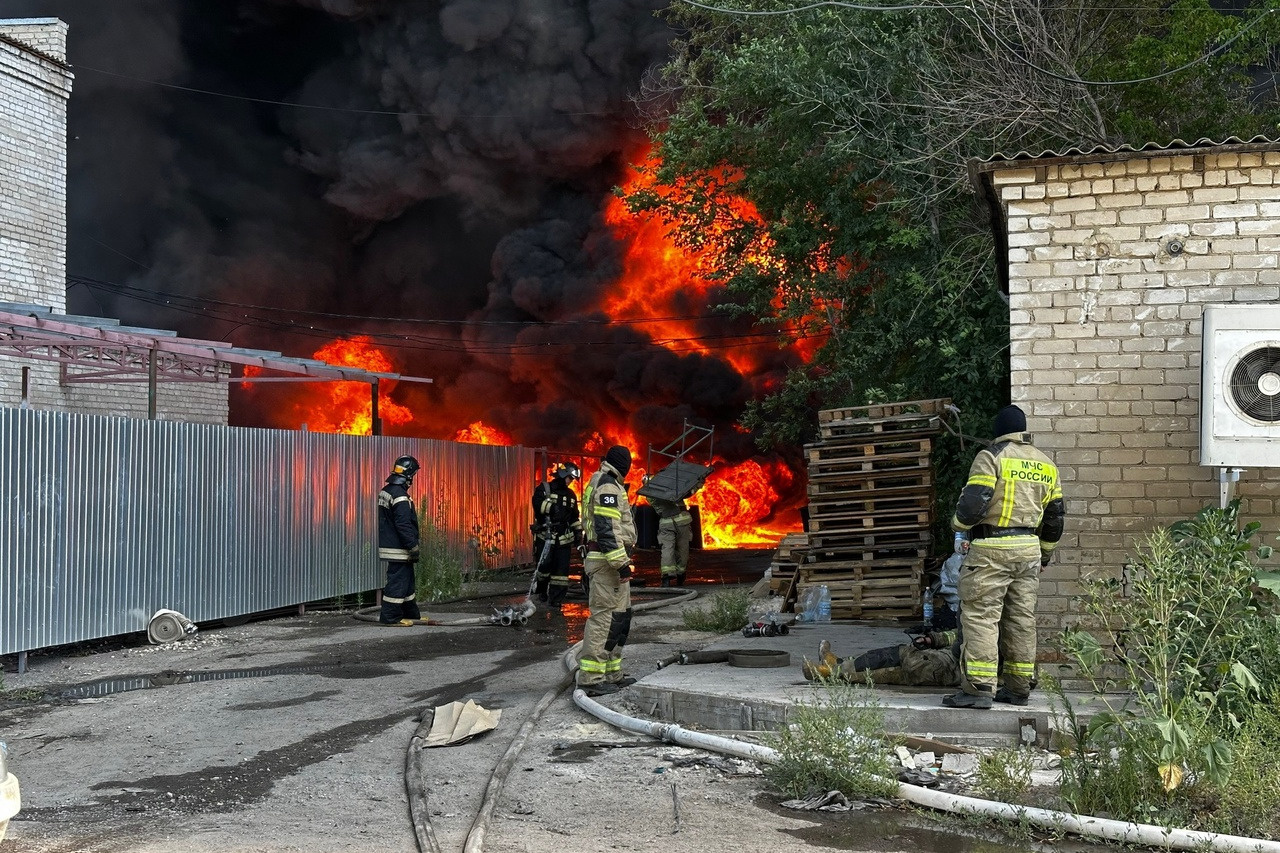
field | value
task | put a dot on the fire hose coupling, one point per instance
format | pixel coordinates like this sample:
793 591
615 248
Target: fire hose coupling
509 616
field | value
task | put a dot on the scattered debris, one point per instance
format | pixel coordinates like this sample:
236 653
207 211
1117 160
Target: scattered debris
459 722
834 801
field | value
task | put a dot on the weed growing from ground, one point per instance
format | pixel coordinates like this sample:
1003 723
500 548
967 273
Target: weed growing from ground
441 570
834 744
1005 774
725 612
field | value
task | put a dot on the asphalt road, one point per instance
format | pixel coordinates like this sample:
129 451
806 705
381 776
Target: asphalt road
291 733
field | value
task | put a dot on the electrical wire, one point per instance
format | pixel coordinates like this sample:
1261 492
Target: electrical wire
125 289
1011 48
695 343
327 108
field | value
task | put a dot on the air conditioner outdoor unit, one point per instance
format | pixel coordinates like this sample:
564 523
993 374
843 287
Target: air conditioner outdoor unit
1240 386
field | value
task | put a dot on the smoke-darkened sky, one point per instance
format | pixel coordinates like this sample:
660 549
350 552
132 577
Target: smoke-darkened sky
457 172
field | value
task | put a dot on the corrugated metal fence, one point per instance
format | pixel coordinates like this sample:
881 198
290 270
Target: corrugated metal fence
106 520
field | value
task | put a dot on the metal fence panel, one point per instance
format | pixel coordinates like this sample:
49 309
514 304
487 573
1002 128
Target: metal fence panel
106 520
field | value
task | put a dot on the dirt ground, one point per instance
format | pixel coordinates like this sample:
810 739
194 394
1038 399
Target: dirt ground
291 734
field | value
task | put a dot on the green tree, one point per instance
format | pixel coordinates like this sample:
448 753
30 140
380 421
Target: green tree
849 130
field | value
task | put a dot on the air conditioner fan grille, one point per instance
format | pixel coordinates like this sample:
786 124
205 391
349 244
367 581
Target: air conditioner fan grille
1255 384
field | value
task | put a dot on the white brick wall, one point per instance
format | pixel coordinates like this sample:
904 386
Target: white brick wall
1105 337
35 84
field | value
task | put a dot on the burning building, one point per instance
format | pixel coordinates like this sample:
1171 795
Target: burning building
424 189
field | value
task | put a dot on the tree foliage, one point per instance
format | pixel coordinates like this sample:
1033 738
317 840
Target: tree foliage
849 130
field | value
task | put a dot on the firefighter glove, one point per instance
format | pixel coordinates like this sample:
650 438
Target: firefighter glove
1044 559
624 573
414 553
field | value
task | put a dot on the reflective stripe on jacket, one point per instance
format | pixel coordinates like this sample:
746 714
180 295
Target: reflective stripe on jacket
606 517
1013 485
397 523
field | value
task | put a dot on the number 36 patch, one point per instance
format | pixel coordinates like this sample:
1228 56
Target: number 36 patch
608 500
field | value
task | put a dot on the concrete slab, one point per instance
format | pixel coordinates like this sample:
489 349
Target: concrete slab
721 697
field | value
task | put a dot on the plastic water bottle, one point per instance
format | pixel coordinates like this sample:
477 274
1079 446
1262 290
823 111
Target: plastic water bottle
928 606
962 542
824 604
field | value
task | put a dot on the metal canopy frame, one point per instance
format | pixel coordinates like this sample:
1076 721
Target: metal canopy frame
680 477
107 352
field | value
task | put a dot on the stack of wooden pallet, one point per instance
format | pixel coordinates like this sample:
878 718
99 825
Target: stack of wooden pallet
871 507
786 560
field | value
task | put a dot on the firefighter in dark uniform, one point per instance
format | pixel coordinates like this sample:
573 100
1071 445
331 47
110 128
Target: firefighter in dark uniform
611 534
558 532
1013 510
398 544
675 529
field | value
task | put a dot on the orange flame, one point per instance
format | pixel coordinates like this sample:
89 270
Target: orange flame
736 505
348 407
478 433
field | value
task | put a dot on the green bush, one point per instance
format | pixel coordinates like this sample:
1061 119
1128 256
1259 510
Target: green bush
834 744
1177 641
726 612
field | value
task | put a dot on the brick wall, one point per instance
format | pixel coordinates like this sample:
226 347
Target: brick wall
35 84
1105 336
33 165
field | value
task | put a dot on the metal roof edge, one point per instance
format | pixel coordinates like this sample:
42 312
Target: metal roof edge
1104 152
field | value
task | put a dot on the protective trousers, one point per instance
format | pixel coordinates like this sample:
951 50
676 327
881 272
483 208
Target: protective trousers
907 666
399 600
999 583
609 599
553 574
674 539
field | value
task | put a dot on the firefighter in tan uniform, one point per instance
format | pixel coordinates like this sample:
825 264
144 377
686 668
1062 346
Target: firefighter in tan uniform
610 532
1012 507
675 529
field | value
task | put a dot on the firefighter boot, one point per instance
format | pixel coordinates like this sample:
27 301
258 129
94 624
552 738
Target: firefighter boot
680 579
884 658
827 666
980 700
1007 696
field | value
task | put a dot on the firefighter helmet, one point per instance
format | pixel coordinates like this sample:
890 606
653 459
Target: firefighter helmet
405 466
568 471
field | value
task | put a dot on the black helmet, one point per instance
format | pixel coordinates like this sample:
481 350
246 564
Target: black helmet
568 471
405 466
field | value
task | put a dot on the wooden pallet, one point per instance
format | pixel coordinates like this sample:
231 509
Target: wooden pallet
874 597
871 503
881 411
881 520
919 472
902 536
786 559
868 555
858 450
853 466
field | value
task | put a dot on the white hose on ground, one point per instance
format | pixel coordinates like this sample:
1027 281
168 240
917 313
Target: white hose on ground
480 826
369 614
1093 827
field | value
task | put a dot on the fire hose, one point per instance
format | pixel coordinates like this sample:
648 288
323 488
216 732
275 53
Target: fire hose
480 826
1126 832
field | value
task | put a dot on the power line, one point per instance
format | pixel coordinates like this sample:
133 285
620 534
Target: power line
693 343
1012 49
125 289
325 107
1169 73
